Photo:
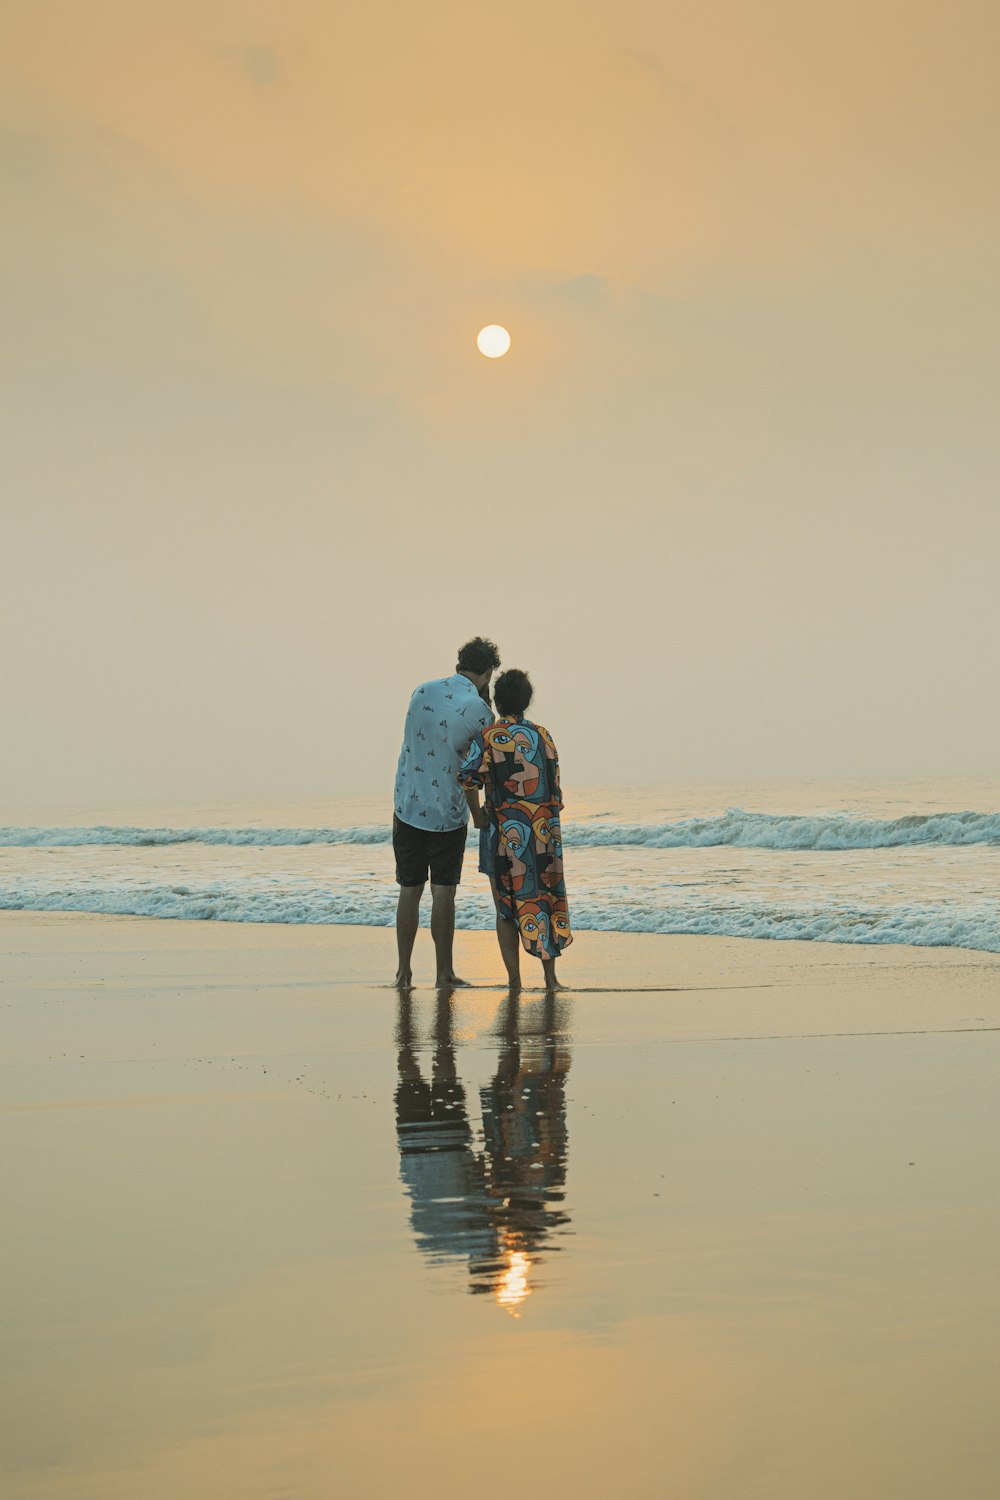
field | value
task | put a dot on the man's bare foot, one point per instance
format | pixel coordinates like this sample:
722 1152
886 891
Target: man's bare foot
403 981
450 981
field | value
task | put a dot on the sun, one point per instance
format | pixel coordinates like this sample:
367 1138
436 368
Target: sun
493 341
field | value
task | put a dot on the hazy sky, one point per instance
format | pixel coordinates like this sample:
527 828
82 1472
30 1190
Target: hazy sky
732 498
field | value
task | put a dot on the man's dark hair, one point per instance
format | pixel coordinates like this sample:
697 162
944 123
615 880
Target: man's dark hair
512 691
478 655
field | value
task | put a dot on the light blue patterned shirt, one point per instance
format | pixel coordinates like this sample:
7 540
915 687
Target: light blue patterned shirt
441 720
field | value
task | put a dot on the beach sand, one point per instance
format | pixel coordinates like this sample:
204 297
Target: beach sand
729 1211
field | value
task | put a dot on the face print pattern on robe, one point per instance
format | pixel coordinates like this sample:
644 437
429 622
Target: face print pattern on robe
516 765
515 838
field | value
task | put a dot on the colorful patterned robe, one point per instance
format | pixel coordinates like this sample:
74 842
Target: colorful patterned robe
516 764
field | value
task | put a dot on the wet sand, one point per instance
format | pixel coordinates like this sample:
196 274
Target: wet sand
722 1221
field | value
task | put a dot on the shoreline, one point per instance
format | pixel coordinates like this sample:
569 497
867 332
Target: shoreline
705 985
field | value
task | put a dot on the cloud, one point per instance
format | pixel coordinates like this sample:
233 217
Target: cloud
585 289
260 64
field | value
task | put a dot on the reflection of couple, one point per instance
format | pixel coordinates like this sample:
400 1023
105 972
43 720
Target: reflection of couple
493 1209
451 744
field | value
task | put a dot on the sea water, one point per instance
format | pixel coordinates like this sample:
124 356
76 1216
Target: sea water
905 861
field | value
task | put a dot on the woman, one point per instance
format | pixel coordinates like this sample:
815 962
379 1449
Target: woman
515 762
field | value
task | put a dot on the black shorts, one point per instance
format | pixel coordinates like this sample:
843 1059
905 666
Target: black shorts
420 849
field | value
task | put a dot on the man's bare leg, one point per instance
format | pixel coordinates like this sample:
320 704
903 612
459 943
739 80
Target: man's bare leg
509 939
443 933
407 922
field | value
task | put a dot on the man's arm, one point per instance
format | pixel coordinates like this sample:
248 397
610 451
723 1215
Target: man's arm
479 818
471 777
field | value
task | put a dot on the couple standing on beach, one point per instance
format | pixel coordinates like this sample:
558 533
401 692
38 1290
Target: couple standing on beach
453 750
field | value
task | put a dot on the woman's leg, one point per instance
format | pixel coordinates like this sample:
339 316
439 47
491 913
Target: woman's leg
510 941
549 971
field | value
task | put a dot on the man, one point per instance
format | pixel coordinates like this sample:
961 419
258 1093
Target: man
429 826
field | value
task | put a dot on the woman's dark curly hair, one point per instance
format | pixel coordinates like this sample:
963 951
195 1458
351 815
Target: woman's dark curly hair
478 655
512 691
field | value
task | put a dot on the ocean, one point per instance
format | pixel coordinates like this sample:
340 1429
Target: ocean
905 861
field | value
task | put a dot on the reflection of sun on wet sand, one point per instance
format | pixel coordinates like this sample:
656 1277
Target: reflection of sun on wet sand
513 1288
495 1207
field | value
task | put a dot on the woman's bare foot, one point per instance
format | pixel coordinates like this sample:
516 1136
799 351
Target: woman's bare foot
403 980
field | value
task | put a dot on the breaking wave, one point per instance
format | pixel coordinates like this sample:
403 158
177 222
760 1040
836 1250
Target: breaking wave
154 838
736 828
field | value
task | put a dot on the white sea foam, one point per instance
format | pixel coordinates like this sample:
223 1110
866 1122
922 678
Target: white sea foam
975 925
736 828
868 875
